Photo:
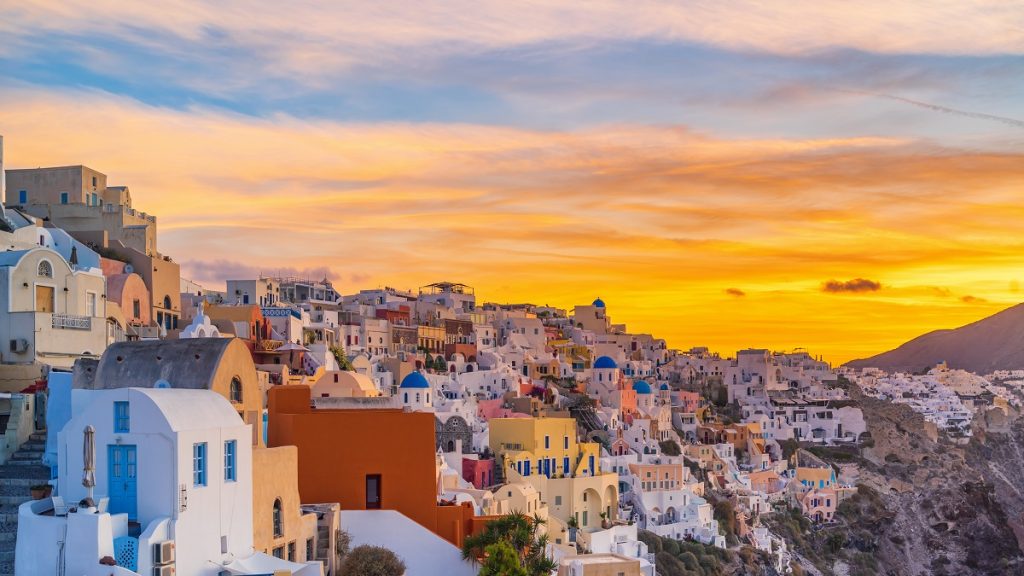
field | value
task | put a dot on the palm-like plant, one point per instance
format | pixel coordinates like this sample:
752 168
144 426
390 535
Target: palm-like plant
519 532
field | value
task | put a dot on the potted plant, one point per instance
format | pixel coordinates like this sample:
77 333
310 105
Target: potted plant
573 525
604 520
40 491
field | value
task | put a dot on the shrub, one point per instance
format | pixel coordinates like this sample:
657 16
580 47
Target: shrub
669 448
371 561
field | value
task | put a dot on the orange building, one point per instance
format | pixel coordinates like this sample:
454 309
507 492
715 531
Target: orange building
363 459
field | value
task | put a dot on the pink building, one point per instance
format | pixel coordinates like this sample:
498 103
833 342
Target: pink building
478 471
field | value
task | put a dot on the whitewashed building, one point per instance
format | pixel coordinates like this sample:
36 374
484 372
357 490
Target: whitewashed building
173 469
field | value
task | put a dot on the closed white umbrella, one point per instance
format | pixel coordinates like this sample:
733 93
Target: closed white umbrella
89 459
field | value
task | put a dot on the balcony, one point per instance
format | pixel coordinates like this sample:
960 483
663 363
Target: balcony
72 321
267 345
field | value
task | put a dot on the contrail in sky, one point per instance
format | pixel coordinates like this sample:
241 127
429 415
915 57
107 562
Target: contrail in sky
945 109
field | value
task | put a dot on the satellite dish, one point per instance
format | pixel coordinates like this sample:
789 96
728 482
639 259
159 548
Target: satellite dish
128 268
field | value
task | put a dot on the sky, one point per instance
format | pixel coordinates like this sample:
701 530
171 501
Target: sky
829 175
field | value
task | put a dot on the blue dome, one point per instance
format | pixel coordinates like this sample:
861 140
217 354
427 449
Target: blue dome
664 386
598 303
642 387
415 380
605 362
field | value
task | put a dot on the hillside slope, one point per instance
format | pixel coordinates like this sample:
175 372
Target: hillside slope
993 343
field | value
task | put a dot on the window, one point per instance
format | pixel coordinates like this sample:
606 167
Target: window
279 552
309 550
278 520
291 551
90 304
167 302
558 500
565 444
63 197
199 464
585 522
44 299
122 420
229 460
22 196
236 390
45 269
136 308
547 442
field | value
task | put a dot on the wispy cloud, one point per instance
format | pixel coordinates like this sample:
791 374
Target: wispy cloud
659 217
968 299
735 292
857 285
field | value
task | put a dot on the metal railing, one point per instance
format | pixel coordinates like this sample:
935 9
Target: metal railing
73 321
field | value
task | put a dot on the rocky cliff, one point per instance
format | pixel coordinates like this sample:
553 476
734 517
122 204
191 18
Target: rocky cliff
927 506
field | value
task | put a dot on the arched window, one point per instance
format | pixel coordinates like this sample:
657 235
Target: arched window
167 302
236 390
278 520
45 269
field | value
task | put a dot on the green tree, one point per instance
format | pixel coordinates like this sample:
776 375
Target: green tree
514 532
371 561
343 362
440 364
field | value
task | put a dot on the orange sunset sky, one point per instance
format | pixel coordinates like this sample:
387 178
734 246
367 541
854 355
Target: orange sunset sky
829 175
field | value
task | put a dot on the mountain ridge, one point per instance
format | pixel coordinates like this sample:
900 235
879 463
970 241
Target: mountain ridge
995 342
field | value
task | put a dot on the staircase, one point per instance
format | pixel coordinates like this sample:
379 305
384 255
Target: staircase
24 470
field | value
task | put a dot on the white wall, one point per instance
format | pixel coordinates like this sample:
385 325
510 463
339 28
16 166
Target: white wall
424 553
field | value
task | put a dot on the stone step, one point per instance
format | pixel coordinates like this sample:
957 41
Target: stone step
34 455
9 518
8 538
15 501
13 462
6 556
25 482
40 446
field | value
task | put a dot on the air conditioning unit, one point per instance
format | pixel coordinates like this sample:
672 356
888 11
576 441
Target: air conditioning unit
163 553
19 345
165 570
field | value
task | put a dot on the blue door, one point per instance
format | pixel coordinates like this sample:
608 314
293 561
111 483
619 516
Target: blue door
123 469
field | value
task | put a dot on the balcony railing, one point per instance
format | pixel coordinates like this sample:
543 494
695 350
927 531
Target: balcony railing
72 321
268 345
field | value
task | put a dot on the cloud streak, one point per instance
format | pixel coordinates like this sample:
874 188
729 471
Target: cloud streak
660 218
855 286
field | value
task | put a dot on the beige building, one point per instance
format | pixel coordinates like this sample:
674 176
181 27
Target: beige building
77 199
280 528
598 565
49 312
263 292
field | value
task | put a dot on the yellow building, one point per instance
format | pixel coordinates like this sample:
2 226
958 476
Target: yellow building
566 473
279 526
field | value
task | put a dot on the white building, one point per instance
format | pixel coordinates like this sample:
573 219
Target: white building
176 463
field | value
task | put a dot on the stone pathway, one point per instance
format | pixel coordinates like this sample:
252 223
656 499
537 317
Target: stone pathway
24 470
